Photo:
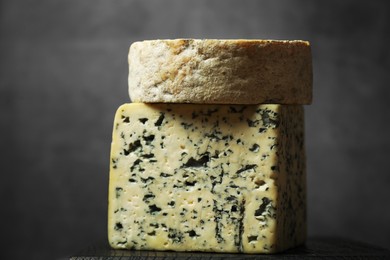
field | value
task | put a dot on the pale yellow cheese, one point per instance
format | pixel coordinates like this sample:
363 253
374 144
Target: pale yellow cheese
217 178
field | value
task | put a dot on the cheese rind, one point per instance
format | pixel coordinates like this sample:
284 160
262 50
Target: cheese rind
220 71
218 178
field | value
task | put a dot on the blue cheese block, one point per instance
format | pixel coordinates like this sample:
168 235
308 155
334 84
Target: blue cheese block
217 178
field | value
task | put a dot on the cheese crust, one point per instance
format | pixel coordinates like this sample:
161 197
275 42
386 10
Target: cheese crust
220 71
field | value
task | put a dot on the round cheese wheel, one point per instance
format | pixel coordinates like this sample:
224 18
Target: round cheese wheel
220 71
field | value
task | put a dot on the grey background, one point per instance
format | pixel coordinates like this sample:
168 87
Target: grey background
63 73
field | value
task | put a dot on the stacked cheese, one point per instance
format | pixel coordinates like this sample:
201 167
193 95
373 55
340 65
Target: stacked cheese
210 157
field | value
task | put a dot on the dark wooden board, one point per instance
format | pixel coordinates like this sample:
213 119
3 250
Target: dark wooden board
315 248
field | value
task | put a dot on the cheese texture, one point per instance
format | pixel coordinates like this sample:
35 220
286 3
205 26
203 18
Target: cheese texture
220 71
220 178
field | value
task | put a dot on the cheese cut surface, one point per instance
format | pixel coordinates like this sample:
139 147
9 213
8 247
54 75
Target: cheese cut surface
218 178
220 71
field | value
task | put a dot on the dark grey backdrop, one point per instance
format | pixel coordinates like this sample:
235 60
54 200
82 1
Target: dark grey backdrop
63 73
